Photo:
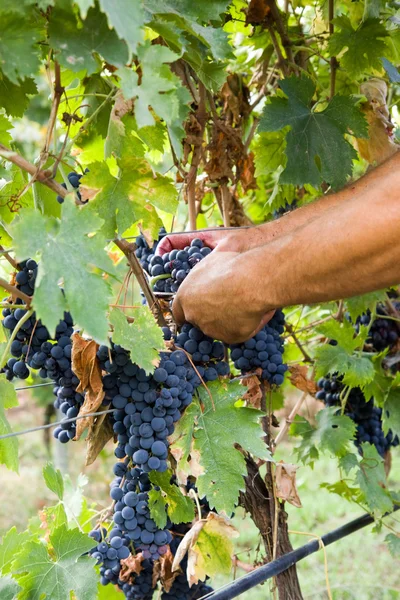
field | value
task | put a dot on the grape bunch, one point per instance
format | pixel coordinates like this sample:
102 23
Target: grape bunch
366 416
74 179
207 354
384 332
168 271
34 347
143 251
263 351
282 210
146 406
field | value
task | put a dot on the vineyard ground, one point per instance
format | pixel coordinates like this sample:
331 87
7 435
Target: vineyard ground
360 566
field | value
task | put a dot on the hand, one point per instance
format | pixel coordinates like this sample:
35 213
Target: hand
218 297
225 240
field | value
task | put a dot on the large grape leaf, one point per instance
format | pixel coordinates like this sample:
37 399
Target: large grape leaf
76 47
143 338
56 575
8 447
180 508
157 507
358 305
215 434
15 98
371 478
18 46
68 254
333 433
365 45
357 370
11 543
316 148
130 197
127 18
9 588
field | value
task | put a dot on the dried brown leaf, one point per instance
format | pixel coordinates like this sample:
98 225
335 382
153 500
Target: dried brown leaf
87 368
299 378
163 571
257 12
247 169
285 482
188 541
253 396
131 566
99 434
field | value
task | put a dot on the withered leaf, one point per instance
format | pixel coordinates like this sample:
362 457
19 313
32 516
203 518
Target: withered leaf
253 396
299 378
285 482
163 572
131 565
87 368
99 434
257 11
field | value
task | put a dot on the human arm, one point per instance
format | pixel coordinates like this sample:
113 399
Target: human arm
351 248
244 239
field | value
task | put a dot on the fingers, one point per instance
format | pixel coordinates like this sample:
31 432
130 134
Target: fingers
172 242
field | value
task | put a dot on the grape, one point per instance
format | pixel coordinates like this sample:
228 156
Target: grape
74 180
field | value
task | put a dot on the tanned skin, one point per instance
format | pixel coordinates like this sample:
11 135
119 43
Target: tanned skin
340 246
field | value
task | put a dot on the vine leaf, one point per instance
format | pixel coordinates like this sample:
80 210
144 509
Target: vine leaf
56 575
11 543
127 18
391 412
181 447
286 487
393 542
129 198
364 46
143 338
157 504
269 152
215 433
18 46
316 148
68 254
8 447
5 127
9 588
14 98
209 547
359 305
76 47
332 433
180 508
371 478
54 480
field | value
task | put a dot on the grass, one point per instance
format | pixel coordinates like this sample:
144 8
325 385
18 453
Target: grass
360 566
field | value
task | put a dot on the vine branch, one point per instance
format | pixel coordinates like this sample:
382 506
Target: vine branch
129 251
15 291
10 259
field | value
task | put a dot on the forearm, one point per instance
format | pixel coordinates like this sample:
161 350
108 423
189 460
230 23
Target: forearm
351 249
299 217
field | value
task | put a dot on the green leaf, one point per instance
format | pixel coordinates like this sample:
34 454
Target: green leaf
8 447
393 542
391 70
215 434
15 98
207 10
67 254
55 576
180 508
157 504
9 588
363 46
18 46
343 333
348 462
54 480
5 127
358 305
76 47
127 199
333 433
143 338
357 370
391 412
269 152
11 543
370 477
214 547
56 516
127 18
182 438
316 148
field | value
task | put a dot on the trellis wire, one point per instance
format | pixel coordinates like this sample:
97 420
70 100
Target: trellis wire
49 425
281 564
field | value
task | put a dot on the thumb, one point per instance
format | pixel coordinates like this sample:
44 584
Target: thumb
177 311
267 317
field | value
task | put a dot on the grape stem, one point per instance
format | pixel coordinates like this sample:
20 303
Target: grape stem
18 326
154 280
10 259
15 291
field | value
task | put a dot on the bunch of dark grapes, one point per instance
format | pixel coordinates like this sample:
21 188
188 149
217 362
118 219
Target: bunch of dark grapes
143 251
366 416
173 267
34 347
74 179
146 406
288 207
263 351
